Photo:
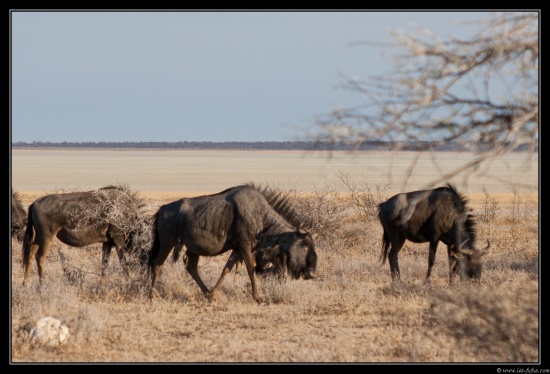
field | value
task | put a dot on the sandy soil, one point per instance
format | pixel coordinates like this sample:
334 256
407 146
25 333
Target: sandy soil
192 173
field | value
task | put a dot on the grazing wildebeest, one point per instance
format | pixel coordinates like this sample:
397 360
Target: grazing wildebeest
109 215
18 216
244 219
435 215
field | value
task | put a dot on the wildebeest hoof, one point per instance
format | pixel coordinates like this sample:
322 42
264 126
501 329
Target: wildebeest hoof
152 293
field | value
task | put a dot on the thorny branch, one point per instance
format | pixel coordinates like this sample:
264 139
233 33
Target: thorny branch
480 95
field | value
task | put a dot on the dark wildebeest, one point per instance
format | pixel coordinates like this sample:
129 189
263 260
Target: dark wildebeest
109 215
18 216
435 215
245 219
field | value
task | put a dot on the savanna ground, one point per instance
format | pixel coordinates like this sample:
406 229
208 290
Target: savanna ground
350 313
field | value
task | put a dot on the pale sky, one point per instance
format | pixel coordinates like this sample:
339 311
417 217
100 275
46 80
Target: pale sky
140 76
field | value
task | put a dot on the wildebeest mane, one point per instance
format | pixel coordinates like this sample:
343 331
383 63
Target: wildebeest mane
462 198
280 202
469 223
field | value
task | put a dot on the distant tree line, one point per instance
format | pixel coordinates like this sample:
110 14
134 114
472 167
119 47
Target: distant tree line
280 145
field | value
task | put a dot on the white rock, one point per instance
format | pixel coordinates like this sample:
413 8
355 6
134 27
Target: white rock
49 331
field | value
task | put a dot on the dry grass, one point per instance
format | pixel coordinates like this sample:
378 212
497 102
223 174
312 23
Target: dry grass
349 314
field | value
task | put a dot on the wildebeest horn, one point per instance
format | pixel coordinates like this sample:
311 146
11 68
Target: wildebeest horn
300 229
466 251
268 265
485 250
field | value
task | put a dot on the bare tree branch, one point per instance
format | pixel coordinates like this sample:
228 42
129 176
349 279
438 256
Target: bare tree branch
479 94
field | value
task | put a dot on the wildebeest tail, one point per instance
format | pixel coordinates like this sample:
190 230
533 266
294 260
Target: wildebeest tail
28 238
385 240
177 252
155 248
385 247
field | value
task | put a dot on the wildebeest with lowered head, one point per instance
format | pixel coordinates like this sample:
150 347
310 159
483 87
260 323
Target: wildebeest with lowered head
245 219
18 216
435 215
110 215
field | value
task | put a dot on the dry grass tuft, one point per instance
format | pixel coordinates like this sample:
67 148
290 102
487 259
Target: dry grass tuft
494 323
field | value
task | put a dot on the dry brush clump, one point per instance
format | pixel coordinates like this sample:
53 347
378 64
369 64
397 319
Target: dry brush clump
364 196
490 207
323 210
129 212
18 216
500 324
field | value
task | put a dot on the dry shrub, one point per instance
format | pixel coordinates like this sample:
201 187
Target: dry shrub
87 325
279 290
323 210
129 212
490 208
365 198
117 287
53 298
499 323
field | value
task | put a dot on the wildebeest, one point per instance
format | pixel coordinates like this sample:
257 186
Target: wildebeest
245 219
110 215
440 214
18 216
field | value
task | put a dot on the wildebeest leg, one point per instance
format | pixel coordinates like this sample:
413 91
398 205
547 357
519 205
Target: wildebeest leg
119 242
431 260
453 264
235 257
396 244
249 261
43 249
283 261
33 251
105 260
192 267
239 265
120 252
156 265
